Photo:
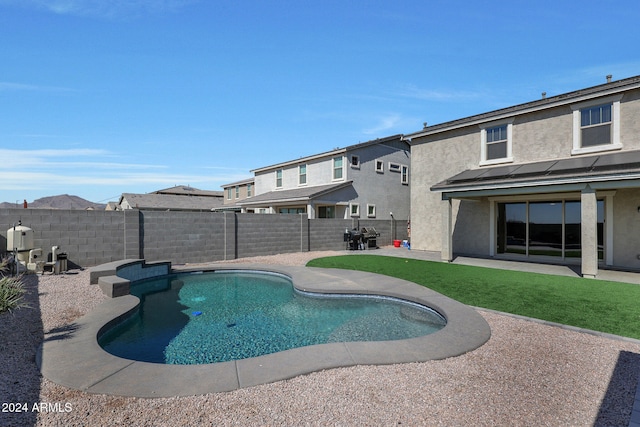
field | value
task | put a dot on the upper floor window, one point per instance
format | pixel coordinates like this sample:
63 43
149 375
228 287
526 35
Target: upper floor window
229 193
496 143
355 162
237 191
337 167
279 178
302 174
379 166
596 125
248 190
404 176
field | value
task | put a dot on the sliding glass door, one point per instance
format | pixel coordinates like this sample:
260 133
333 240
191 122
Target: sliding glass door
547 228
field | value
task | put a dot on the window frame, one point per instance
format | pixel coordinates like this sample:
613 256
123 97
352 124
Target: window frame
354 209
229 193
279 173
302 175
371 210
404 174
484 144
337 168
248 190
237 191
379 162
614 144
355 165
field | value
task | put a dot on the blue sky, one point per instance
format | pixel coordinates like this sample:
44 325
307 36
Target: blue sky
99 98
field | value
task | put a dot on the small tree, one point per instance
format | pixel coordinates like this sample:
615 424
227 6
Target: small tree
12 291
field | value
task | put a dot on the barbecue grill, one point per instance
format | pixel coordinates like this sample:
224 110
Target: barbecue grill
361 239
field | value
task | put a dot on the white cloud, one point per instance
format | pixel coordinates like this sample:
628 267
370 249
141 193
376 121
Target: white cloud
384 124
13 86
102 8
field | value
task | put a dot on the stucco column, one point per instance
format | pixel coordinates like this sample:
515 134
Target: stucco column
589 237
447 231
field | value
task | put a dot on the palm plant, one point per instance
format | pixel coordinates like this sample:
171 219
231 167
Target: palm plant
12 291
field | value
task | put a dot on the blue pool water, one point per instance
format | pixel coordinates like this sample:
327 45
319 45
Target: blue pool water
215 317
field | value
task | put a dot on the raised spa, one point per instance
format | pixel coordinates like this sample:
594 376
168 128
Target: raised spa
221 316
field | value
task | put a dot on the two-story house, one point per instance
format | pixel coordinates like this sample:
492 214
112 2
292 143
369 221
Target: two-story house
556 179
237 191
366 180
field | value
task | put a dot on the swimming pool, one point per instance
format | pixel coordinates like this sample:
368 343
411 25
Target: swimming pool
222 316
77 361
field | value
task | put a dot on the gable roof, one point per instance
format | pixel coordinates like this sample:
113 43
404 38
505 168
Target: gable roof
302 194
185 190
541 104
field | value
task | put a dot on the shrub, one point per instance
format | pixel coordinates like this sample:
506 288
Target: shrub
12 291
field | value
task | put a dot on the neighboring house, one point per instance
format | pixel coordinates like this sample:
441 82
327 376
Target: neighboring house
367 180
237 191
179 198
557 179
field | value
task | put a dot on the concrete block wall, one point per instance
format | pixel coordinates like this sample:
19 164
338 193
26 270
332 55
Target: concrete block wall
76 232
183 237
271 234
91 238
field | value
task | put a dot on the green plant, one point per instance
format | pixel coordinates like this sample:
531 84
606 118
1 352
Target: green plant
12 291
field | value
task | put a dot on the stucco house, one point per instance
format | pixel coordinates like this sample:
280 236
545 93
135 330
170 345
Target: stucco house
237 191
367 180
555 180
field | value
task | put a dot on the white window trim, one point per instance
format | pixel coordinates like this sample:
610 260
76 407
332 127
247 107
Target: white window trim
402 181
302 184
369 213
333 168
281 178
357 165
249 190
237 191
381 162
615 125
394 167
483 142
228 193
357 209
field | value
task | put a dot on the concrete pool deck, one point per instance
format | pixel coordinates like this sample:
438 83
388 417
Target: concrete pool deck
78 362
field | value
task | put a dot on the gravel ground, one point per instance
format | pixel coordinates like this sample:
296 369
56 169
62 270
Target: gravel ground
526 374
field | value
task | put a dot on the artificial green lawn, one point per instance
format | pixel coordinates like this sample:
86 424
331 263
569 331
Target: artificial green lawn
599 305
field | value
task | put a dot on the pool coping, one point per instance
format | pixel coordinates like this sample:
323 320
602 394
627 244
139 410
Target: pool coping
74 359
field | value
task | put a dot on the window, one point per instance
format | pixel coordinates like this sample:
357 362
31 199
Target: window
495 142
326 211
337 168
394 167
237 191
548 228
302 174
596 125
279 178
404 174
248 190
371 211
292 210
229 193
354 208
379 166
355 162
